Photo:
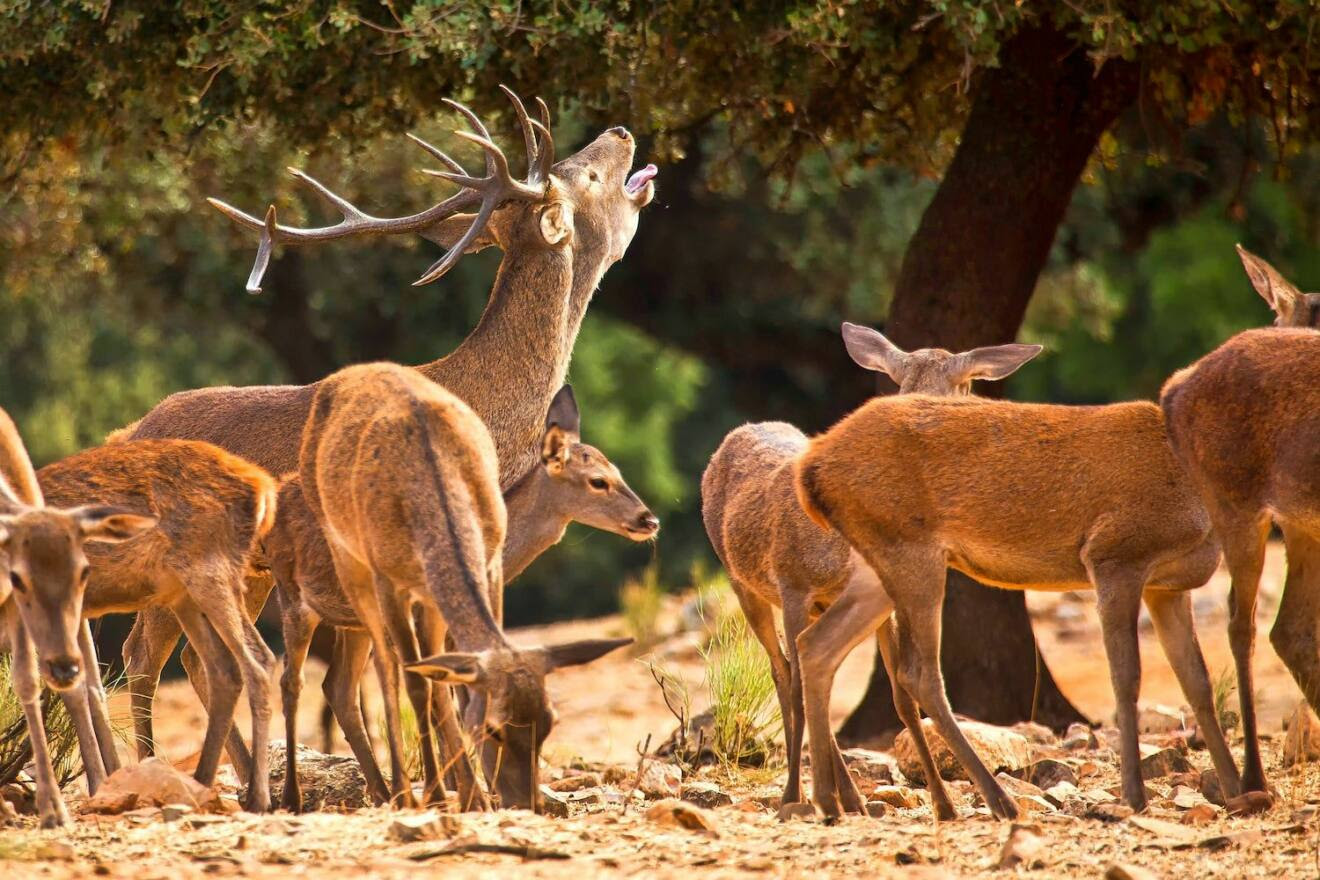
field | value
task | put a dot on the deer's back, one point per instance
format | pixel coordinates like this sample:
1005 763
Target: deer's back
211 506
1245 420
753 518
261 423
1015 493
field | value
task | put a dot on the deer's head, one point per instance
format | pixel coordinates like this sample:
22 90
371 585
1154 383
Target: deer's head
933 370
1291 307
586 204
518 712
47 574
582 484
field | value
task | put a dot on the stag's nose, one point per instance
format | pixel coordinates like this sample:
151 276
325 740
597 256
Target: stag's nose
621 133
64 671
648 522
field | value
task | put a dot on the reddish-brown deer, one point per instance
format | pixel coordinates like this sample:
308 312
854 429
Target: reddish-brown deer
212 507
1019 496
574 482
776 556
41 598
402 477
1243 422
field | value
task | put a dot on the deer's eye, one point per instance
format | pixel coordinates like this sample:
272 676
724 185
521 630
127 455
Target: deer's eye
17 582
598 484
593 177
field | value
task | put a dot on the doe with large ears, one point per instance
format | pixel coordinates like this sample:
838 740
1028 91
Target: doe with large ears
402 477
776 556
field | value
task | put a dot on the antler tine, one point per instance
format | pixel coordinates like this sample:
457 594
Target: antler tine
352 215
475 123
545 159
265 245
529 136
455 253
438 153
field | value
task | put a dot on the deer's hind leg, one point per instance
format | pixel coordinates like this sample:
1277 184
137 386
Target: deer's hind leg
761 620
219 694
1294 635
146 650
343 692
397 616
297 622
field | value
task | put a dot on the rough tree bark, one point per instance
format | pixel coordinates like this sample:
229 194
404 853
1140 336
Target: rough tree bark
966 279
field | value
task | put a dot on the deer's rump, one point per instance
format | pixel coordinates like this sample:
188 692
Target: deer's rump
261 423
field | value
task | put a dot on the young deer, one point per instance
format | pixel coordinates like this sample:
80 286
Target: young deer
1020 496
1291 307
1242 422
402 477
776 556
211 507
573 483
40 614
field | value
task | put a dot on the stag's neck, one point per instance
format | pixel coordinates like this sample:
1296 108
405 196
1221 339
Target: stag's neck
509 368
535 522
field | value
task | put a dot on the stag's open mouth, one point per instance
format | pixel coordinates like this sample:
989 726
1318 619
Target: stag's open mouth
640 178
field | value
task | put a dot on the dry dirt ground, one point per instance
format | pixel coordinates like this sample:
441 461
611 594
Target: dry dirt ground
610 707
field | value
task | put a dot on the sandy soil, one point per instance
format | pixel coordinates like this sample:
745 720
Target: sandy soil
609 708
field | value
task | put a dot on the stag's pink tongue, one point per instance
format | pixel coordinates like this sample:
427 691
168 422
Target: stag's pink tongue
640 178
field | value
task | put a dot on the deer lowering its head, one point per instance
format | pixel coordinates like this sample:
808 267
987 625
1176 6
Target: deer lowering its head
776 556
41 598
574 482
401 475
1291 307
1020 496
1243 423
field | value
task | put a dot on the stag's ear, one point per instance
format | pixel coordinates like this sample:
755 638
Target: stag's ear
564 412
453 668
556 222
1278 293
110 525
997 361
448 231
578 653
870 349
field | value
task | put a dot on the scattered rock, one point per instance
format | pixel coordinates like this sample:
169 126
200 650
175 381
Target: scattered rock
876 809
999 747
21 798
1302 743
553 803
576 782
325 780
1023 848
866 765
1211 789
898 796
1078 737
1190 779
175 812
1121 871
55 851
1047 773
1108 812
616 775
1035 733
673 813
1249 803
151 783
1185 798
1157 762
1238 838
8 815
660 780
1157 718
1199 815
1061 793
423 826
705 794
797 810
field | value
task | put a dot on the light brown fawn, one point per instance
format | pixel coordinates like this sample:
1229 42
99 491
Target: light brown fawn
1243 423
41 595
574 482
212 507
402 477
1020 496
776 556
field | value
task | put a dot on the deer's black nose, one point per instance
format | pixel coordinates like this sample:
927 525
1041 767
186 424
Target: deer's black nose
648 522
64 671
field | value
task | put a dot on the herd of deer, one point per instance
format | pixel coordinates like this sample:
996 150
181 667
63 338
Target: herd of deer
406 497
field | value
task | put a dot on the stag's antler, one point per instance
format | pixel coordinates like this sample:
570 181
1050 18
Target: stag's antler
491 191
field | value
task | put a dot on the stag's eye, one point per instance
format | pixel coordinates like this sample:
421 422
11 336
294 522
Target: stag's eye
598 484
593 177
17 582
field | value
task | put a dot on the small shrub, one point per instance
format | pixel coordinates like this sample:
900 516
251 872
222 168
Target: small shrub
744 706
641 602
1225 686
16 747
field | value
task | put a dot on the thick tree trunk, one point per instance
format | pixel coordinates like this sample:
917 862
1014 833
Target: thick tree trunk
966 279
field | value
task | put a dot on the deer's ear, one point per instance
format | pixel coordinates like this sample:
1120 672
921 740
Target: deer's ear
448 231
1279 294
997 361
564 412
555 447
452 668
111 525
578 653
556 222
871 350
